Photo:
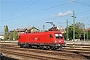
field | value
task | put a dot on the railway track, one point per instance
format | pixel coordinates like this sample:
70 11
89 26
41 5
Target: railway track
42 52
79 45
31 55
69 52
65 49
42 56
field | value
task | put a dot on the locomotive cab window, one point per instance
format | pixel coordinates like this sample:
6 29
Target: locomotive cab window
51 36
58 36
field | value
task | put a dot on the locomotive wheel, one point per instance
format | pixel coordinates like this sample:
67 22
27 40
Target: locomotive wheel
47 47
30 46
21 46
59 49
52 48
27 45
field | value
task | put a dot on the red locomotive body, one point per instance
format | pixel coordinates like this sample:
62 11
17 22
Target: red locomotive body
48 40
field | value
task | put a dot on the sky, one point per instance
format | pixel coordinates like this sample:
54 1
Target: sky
24 13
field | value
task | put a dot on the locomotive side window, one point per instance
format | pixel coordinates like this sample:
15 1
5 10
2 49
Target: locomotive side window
58 36
51 36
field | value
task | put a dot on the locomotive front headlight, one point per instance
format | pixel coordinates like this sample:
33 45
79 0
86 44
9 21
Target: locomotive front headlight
55 41
61 35
59 40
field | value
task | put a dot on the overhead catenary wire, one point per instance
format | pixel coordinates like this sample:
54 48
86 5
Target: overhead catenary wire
46 19
39 11
14 11
34 13
25 23
82 3
83 12
27 6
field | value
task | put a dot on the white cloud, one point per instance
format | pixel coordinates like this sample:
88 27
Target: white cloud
65 14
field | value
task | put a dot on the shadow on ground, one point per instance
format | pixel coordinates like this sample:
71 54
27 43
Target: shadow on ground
6 58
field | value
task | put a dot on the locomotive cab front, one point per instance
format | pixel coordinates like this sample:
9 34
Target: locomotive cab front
60 39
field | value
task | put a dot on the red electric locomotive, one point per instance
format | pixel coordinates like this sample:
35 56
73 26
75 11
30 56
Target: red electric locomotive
44 40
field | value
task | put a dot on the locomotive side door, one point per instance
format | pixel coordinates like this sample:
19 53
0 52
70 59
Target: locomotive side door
27 39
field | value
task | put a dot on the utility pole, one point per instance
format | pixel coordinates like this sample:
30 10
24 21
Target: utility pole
43 27
4 34
87 34
67 30
73 28
84 32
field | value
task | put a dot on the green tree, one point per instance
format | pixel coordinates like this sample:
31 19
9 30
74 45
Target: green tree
11 36
81 30
64 35
78 32
70 32
80 25
88 34
15 35
6 32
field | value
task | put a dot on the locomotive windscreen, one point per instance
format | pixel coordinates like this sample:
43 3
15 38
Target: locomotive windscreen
58 36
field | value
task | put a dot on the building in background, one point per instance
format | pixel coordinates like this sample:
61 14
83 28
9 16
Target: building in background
1 36
61 29
27 30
